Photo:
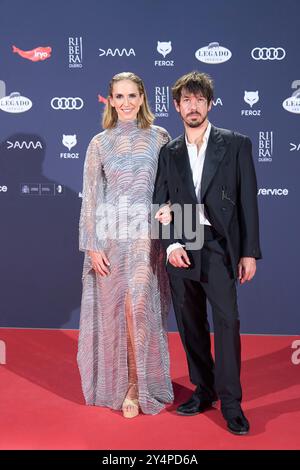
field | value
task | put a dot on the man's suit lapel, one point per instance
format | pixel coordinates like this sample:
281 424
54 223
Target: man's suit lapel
215 152
181 158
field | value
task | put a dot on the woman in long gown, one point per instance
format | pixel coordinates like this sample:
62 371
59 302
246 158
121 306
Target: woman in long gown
123 353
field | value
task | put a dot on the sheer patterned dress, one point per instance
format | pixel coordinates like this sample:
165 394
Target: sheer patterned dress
118 182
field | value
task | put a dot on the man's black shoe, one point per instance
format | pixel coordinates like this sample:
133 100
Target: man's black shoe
238 425
194 406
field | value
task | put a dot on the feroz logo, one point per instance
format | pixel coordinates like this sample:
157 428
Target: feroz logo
292 104
75 52
296 354
164 48
118 52
67 103
251 98
35 55
213 54
162 101
268 53
69 141
265 146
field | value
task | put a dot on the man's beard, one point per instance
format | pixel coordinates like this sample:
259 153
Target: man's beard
195 123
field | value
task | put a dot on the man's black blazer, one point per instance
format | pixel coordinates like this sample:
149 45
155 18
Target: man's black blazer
228 192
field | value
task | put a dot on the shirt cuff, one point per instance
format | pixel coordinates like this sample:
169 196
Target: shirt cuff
172 247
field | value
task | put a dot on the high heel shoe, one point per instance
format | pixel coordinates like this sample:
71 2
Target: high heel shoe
130 406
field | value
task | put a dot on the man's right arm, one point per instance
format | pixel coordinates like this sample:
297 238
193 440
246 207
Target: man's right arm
161 189
161 197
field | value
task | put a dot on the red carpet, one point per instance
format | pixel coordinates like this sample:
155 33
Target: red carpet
42 407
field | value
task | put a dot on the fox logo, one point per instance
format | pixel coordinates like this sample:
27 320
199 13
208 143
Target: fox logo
251 97
164 48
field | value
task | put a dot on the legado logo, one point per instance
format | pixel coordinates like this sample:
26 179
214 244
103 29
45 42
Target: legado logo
268 53
67 103
24 144
292 104
35 55
14 103
273 192
118 52
213 54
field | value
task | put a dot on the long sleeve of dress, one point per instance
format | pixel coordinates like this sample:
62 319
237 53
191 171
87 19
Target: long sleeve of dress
93 196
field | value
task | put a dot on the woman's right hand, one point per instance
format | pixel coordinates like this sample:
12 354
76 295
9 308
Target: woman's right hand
99 262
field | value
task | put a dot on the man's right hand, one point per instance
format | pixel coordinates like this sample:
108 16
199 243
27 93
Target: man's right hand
99 262
179 258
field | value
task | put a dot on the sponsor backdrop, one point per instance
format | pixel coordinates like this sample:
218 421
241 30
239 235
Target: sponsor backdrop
56 59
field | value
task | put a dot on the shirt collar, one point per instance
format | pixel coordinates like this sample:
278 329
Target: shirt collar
205 137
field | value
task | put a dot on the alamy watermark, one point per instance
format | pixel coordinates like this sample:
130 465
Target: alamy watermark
2 352
295 358
125 221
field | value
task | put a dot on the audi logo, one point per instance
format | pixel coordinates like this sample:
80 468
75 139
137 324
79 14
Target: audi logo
67 103
268 53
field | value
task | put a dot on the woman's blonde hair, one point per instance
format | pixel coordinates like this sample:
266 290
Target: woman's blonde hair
144 117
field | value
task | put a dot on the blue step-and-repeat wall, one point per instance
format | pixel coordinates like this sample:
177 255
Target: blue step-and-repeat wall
56 59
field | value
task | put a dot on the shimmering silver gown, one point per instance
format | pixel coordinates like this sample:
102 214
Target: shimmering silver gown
122 162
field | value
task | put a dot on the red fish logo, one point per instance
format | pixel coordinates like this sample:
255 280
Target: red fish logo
101 99
35 55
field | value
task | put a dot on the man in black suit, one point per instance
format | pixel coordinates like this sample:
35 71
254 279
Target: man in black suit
208 178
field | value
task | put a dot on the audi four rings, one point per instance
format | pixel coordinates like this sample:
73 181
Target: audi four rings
67 103
268 53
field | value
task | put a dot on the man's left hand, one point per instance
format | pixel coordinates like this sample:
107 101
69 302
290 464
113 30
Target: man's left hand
246 269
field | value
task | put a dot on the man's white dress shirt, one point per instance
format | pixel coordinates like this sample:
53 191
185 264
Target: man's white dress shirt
196 163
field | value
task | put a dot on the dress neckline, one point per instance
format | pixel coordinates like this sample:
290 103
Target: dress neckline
126 126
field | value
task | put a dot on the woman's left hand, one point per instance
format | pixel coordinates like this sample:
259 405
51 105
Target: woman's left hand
164 215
